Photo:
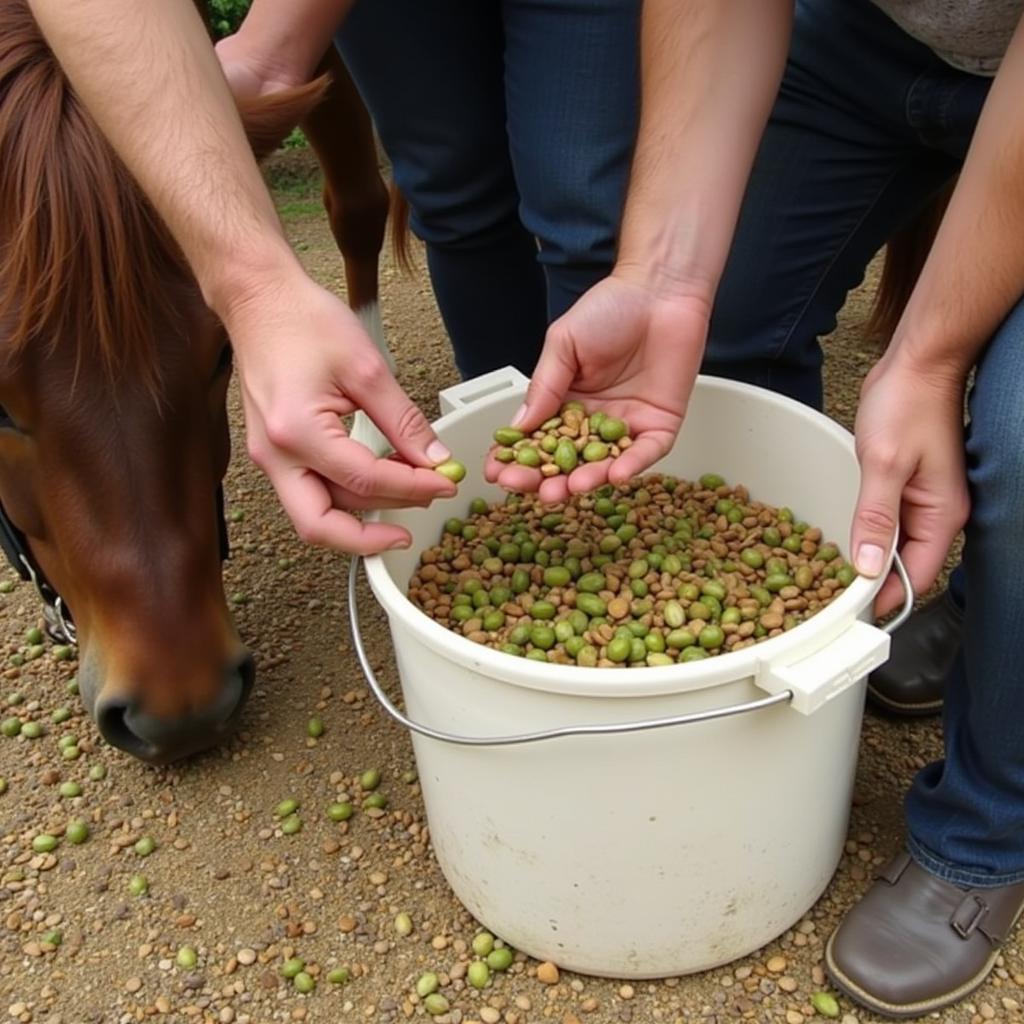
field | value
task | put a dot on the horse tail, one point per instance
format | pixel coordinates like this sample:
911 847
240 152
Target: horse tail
905 255
398 214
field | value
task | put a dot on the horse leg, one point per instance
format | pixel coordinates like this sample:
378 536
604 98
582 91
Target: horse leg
340 132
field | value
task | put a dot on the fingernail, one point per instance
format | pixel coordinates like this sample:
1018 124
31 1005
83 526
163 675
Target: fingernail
395 545
519 416
870 558
437 453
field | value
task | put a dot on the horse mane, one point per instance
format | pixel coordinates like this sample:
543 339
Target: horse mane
83 255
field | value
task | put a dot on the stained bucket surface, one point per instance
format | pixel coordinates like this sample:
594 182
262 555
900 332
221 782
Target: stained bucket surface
668 819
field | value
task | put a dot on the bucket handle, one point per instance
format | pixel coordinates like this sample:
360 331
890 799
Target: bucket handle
643 725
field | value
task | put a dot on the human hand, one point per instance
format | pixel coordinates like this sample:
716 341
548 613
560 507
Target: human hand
627 350
305 361
910 442
250 72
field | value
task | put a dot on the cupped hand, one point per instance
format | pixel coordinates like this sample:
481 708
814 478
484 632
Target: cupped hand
305 361
910 442
627 350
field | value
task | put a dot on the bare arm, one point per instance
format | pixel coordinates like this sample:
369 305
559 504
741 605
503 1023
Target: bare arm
150 78
711 72
633 343
910 420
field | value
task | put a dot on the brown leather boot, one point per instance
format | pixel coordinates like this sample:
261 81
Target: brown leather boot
913 680
915 943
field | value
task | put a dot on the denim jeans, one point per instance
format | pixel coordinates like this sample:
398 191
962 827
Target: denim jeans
510 126
868 125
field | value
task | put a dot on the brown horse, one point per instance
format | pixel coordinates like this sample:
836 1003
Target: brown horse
113 430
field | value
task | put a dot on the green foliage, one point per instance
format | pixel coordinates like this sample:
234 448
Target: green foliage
226 15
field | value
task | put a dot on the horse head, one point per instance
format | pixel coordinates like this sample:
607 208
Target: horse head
113 428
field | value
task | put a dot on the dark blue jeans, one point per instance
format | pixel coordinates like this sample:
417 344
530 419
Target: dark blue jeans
510 126
869 124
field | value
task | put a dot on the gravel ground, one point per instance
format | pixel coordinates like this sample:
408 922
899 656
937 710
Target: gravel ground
231 897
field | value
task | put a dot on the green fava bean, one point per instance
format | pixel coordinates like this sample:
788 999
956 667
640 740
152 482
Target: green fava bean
620 648
591 604
339 976
587 656
557 576
591 583
493 621
505 454
528 457
771 536
637 649
693 654
712 588
549 444
478 507
611 429
574 645
564 631
711 481
680 639
711 637
579 620
435 1004
752 557
542 637
500 959
776 581
543 610
655 642
792 543
452 469
655 659
519 635
520 581
846 575
673 614
804 577
507 436
595 451
699 610
478 974
730 615
566 456
828 552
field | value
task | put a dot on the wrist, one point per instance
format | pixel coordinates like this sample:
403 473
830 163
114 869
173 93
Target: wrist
240 281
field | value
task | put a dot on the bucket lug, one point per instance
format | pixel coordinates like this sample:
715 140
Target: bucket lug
815 680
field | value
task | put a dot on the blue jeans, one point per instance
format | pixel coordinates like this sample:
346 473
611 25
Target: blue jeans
510 126
868 125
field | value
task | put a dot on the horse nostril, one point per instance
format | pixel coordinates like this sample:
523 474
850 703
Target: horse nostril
160 740
111 720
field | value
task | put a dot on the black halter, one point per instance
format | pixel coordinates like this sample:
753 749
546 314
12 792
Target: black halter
60 624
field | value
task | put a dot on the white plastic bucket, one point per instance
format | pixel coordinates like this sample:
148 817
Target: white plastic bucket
663 849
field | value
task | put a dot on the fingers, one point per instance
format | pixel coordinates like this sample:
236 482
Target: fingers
556 369
355 469
877 515
307 501
645 450
379 395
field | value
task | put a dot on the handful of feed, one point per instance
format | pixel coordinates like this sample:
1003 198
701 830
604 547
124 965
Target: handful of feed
654 572
561 443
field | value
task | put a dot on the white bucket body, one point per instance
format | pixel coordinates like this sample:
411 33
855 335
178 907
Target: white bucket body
654 853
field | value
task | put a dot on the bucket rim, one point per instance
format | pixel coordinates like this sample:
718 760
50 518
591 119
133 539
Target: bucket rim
648 681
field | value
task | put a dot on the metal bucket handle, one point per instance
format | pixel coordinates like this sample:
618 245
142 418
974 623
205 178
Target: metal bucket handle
784 696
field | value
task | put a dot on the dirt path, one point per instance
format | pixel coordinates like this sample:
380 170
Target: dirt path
227 884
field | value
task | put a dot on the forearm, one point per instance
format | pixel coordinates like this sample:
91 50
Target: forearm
711 72
150 78
974 274
289 37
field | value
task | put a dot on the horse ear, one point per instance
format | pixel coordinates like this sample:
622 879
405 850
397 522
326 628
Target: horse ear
269 119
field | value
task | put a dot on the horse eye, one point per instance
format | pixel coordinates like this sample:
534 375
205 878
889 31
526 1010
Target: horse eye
7 421
224 361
